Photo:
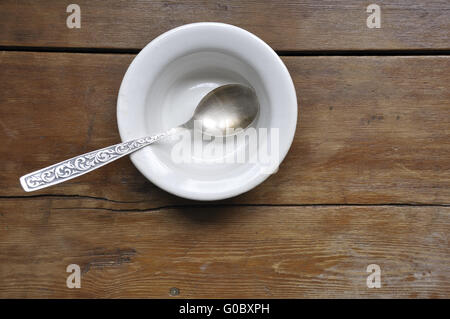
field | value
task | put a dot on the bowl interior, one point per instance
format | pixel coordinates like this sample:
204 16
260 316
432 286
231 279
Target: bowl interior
173 97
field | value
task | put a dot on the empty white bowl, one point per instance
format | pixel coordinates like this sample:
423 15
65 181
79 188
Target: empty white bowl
170 76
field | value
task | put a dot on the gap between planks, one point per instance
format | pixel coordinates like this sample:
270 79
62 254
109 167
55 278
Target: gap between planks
208 205
411 52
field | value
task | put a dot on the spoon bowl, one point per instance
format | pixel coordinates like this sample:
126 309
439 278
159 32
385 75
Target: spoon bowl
226 109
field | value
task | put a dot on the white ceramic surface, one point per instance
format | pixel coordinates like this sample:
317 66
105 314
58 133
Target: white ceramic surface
168 78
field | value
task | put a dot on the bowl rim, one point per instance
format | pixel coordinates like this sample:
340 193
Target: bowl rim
257 44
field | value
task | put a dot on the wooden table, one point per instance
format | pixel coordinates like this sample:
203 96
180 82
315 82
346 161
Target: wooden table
367 179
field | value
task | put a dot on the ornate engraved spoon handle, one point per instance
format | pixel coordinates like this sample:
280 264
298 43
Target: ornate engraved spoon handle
83 164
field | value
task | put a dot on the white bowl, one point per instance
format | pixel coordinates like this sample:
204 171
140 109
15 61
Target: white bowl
168 78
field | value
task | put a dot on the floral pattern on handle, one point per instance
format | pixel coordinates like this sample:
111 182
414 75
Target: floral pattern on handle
82 164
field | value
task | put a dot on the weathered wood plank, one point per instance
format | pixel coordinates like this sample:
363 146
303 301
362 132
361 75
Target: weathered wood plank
371 130
245 252
285 25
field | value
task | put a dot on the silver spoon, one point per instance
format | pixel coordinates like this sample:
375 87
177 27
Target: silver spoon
224 109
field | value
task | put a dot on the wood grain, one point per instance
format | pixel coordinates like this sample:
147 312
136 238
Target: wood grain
371 130
373 137
244 252
285 25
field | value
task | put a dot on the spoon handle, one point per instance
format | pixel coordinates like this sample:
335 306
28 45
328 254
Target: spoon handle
82 164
